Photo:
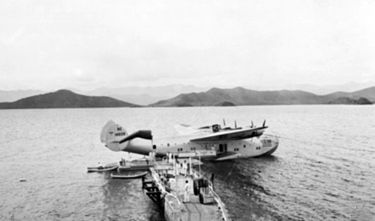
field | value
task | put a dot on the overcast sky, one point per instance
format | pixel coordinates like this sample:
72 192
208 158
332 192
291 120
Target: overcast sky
112 43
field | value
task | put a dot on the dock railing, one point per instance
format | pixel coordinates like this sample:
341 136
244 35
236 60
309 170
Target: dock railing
172 207
220 203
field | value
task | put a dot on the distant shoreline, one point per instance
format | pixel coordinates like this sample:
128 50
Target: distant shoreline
179 107
214 97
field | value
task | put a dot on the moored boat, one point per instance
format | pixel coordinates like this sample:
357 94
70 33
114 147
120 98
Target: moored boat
128 176
106 168
135 165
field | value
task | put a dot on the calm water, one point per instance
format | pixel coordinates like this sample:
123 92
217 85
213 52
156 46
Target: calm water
324 168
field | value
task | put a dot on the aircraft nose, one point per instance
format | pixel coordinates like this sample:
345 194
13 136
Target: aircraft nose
276 141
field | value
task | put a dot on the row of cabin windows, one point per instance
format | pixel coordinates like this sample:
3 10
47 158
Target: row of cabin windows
209 145
193 148
182 149
237 149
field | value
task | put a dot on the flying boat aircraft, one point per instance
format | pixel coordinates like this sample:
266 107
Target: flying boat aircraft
211 142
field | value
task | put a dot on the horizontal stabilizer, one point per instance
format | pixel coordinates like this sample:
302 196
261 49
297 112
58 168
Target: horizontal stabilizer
144 134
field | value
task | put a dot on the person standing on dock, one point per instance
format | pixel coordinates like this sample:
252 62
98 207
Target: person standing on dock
186 193
185 167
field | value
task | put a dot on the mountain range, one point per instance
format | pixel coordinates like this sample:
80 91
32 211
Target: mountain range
213 97
133 94
242 96
143 95
65 99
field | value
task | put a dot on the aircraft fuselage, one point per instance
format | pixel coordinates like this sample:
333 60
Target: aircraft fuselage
204 146
218 150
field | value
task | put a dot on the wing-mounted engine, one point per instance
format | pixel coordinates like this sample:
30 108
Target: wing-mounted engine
216 128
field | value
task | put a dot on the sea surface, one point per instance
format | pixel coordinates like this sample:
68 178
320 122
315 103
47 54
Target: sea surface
324 168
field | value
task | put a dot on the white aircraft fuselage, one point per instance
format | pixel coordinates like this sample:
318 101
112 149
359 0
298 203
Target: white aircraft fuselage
224 149
216 150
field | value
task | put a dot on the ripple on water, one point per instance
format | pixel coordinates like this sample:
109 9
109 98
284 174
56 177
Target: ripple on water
322 170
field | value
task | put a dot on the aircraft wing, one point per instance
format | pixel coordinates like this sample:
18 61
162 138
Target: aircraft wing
184 129
235 134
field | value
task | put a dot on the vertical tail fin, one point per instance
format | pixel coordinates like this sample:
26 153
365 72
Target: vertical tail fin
111 134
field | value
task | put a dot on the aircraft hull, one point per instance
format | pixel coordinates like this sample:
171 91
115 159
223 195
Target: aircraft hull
223 150
270 152
210 147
